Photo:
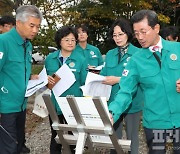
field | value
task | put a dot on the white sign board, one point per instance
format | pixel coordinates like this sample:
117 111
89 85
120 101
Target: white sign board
88 112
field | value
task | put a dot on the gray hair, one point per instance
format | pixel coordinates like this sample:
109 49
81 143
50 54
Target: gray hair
25 11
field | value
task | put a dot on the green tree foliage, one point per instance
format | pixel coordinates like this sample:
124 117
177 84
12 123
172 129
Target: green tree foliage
166 10
51 17
51 10
7 7
98 15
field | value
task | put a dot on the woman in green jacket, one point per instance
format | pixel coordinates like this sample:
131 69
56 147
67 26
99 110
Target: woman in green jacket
66 41
91 53
116 60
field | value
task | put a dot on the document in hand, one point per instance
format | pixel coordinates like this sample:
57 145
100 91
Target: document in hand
96 69
56 79
66 81
94 87
34 85
88 112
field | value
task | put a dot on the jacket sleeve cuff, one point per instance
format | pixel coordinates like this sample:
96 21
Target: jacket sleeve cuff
114 110
115 116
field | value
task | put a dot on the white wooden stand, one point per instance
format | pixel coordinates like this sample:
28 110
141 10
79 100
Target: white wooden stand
84 131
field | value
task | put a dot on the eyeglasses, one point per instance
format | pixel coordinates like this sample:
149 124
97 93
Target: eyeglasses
118 35
69 40
136 34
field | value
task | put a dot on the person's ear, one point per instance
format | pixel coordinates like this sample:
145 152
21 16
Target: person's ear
18 22
176 39
157 28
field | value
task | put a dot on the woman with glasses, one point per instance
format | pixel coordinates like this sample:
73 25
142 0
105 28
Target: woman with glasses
115 62
65 39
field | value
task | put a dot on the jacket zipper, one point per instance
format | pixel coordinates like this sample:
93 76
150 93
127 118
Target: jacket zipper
24 46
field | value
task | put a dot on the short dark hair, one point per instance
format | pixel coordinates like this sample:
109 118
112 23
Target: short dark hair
83 27
125 26
63 32
169 31
7 19
150 15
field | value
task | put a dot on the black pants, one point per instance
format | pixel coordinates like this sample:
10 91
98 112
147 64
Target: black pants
12 132
157 139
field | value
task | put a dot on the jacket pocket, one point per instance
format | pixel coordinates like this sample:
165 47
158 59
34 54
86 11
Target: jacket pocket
149 73
16 59
150 78
174 65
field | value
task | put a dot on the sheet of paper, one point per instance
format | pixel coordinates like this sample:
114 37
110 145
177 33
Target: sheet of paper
98 68
94 87
66 81
34 85
88 111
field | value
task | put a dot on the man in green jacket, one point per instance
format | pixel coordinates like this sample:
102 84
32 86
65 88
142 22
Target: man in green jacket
7 22
15 70
156 69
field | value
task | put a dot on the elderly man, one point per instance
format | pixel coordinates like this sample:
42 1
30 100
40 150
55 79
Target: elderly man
15 70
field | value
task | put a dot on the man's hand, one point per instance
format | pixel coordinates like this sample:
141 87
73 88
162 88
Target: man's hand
178 85
34 77
111 118
111 80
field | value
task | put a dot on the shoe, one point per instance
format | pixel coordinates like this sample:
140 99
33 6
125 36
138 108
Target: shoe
25 149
